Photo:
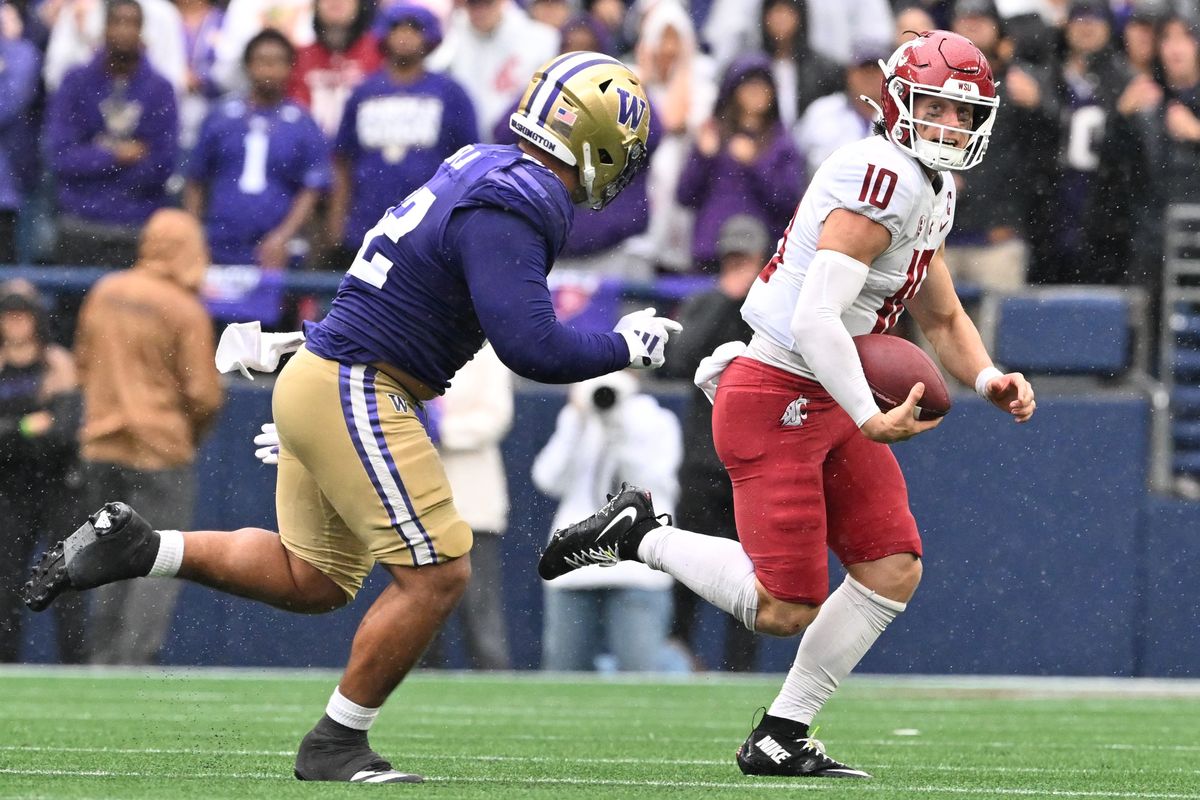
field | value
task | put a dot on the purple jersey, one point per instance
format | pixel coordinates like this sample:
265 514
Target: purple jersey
254 161
462 258
394 136
92 104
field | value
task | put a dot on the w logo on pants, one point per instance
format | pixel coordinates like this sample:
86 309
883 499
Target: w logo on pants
795 414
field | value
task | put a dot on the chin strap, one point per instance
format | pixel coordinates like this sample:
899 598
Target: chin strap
588 175
877 109
872 104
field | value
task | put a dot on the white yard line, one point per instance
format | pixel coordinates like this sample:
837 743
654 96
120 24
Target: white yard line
747 785
386 736
475 757
1034 686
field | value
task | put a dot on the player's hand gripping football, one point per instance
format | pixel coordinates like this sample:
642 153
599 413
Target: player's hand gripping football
901 422
1013 394
646 336
267 443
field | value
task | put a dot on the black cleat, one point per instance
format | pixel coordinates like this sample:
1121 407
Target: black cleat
610 535
349 759
113 545
765 753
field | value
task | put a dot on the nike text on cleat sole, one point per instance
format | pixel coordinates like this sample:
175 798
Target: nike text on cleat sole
770 755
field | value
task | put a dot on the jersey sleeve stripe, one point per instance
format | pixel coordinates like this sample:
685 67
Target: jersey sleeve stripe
528 184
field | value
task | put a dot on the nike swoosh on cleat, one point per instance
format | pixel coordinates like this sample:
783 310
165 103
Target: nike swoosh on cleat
390 776
631 511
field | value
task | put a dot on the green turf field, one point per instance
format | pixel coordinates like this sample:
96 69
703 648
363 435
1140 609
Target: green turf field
143 734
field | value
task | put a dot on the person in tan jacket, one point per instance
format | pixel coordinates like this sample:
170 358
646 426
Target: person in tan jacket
144 348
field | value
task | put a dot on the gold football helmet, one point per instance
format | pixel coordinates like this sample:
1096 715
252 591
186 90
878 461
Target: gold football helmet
589 111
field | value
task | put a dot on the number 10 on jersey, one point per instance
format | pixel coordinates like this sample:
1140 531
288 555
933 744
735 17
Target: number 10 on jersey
878 193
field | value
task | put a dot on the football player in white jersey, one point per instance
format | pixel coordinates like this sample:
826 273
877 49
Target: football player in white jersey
794 421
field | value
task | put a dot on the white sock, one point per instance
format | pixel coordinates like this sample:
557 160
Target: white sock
170 555
845 628
715 568
350 713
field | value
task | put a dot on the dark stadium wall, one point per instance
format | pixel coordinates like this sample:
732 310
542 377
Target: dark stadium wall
1044 552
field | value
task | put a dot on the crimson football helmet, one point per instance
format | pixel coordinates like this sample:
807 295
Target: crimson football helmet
946 65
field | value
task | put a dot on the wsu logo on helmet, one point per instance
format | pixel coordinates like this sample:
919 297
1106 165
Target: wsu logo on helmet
632 109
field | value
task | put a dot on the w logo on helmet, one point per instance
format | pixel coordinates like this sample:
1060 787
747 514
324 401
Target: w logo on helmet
632 109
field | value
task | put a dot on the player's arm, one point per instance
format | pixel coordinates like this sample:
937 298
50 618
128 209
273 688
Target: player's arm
849 242
504 261
956 340
940 314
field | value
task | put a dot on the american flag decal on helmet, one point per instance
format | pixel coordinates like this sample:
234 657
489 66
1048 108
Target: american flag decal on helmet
565 115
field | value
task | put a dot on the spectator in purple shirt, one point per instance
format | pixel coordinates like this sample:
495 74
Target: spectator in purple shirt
111 143
260 164
399 124
743 161
19 80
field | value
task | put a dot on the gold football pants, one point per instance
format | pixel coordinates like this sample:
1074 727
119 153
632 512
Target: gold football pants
359 480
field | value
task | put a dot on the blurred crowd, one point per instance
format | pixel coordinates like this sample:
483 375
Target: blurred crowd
288 126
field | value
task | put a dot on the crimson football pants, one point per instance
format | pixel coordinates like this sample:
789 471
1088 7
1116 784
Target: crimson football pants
805 480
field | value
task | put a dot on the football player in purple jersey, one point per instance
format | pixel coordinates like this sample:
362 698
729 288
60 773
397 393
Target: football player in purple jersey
460 260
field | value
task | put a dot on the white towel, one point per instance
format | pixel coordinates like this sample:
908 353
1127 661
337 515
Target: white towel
710 369
244 347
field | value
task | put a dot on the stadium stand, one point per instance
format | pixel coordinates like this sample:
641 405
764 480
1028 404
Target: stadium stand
1179 342
1094 331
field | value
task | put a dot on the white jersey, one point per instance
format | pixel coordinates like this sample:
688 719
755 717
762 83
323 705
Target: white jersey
874 178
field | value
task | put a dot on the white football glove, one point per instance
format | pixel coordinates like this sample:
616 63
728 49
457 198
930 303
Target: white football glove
268 444
646 336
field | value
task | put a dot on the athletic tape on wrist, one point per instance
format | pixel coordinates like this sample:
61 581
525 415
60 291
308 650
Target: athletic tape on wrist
981 380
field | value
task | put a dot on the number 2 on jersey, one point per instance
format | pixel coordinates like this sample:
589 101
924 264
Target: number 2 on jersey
371 266
878 194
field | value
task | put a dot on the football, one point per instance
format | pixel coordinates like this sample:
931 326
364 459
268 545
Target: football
892 365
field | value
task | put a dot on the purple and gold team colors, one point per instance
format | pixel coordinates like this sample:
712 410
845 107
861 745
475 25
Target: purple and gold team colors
461 259
359 481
